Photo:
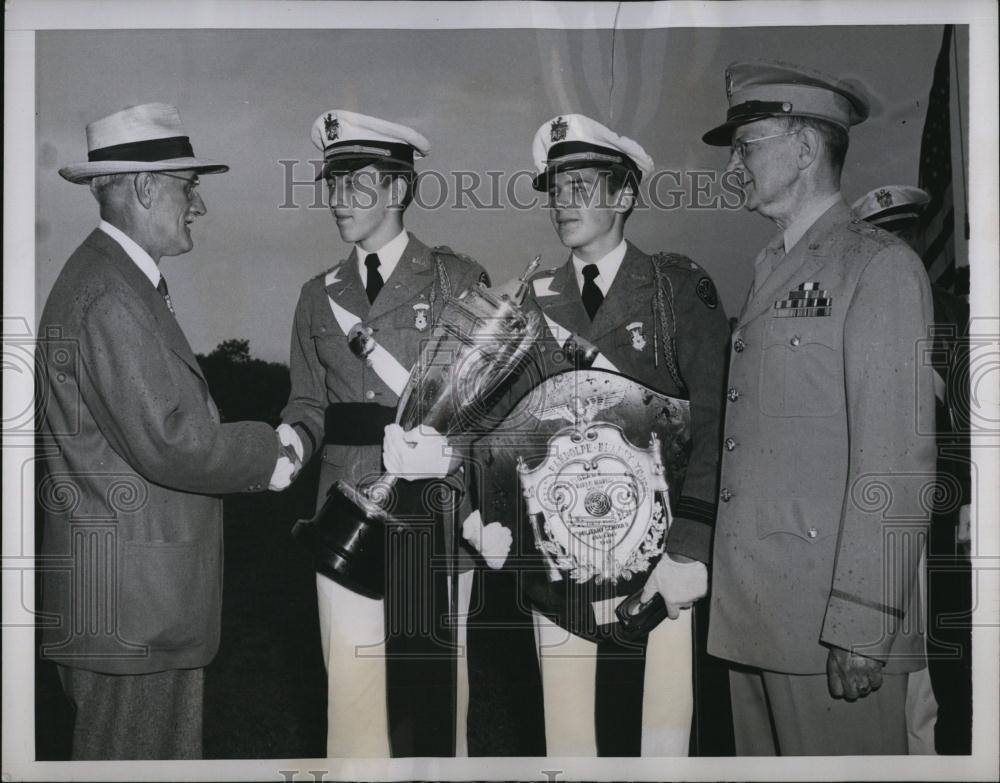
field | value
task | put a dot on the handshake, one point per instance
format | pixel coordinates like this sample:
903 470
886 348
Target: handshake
289 459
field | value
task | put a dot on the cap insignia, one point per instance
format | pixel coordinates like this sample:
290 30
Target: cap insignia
884 198
332 127
558 129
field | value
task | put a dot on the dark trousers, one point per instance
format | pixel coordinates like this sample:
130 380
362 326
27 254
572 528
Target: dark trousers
137 716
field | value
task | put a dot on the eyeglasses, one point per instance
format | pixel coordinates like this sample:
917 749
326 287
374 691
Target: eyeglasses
192 182
740 147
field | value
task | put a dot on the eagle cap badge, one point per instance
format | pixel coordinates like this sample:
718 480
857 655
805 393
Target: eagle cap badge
332 126
557 131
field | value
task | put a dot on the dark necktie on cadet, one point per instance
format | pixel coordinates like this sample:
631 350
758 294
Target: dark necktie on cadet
592 296
375 281
162 288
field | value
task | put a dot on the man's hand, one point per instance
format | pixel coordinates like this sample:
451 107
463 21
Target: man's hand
681 582
289 459
492 542
851 676
420 453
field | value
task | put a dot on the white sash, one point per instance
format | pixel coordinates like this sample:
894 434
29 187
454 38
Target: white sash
380 360
562 334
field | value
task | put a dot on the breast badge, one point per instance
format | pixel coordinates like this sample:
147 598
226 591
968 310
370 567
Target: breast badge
420 315
635 332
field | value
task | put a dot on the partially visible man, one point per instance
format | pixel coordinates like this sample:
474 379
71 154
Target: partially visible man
939 698
136 456
389 689
815 599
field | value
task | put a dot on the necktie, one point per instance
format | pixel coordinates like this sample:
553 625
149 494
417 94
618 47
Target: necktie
162 288
592 296
375 281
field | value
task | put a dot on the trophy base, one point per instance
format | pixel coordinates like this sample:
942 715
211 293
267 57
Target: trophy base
347 539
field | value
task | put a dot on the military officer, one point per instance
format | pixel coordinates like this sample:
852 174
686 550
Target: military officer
657 320
939 697
814 598
339 406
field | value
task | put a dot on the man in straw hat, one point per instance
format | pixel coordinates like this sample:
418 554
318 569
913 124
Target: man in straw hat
132 538
389 662
814 598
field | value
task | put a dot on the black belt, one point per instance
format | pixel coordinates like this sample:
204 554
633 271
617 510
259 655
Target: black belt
357 423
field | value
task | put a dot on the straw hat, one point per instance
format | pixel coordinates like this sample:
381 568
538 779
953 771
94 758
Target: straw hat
149 137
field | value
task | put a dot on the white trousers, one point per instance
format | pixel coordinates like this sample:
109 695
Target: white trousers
352 632
921 706
569 667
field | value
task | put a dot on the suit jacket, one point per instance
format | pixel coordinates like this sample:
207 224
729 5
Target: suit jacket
828 457
323 369
132 540
699 335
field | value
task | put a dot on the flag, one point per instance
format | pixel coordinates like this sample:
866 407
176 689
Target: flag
935 175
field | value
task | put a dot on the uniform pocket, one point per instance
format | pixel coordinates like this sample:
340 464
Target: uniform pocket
801 371
796 516
169 593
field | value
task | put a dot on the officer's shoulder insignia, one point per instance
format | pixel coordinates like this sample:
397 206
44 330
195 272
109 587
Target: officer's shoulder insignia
676 261
705 289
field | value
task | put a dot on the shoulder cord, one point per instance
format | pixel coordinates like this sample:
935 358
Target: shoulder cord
443 283
663 303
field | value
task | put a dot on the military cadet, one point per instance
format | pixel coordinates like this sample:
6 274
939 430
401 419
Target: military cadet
939 697
341 405
814 571
657 320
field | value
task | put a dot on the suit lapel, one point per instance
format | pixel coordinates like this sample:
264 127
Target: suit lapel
563 302
630 291
169 330
345 286
412 275
808 255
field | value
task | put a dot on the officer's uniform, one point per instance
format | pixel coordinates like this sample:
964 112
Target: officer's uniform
827 454
661 324
339 405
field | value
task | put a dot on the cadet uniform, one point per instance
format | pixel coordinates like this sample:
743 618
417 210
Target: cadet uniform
824 465
660 323
339 406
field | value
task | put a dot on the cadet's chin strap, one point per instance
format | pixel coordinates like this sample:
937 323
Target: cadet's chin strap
662 304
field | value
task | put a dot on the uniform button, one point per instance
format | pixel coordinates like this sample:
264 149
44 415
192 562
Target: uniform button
733 394
369 395
812 532
726 495
730 444
796 341
739 345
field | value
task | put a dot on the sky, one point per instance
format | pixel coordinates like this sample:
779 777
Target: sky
249 97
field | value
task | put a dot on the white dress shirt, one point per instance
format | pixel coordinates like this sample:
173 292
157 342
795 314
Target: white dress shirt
139 256
607 268
388 256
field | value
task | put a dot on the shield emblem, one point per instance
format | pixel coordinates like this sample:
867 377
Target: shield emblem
583 470
557 131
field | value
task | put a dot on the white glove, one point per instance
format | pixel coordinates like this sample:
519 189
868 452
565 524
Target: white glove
420 453
287 467
680 584
493 542
289 437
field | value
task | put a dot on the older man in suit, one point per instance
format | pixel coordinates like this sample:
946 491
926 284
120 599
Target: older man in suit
136 456
825 471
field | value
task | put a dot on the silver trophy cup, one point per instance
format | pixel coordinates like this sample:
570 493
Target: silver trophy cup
478 341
